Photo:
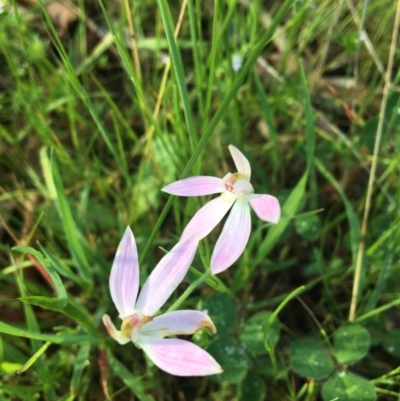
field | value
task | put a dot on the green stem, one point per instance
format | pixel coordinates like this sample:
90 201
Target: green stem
189 290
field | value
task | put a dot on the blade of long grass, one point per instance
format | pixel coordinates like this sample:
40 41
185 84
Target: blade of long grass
34 357
60 338
134 383
178 69
73 310
58 285
79 89
360 256
81 361
60 266
352 218
36 344
271 126
380 283
69 225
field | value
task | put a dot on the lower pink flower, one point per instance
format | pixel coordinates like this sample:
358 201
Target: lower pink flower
175 356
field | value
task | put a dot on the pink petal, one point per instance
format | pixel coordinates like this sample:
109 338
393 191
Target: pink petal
179 357
166 276
206 218
178 322
266 207
234 236
195 186
113 332
124 277
241 162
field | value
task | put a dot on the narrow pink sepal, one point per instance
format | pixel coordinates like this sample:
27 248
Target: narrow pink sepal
241 162
234 236
175 323
124 277
179 357
113 332
195 186
166 276
267 207
206 218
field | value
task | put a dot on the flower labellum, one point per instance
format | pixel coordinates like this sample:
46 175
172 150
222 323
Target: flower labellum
236 190
175 356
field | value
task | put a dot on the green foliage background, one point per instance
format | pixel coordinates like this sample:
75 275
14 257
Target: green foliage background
82 154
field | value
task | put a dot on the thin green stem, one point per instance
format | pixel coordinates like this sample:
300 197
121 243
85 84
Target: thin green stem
189 290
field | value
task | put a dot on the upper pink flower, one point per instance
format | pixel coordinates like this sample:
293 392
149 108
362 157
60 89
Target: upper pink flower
235 190
175 356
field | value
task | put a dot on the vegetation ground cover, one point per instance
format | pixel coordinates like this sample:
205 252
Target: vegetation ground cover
103 103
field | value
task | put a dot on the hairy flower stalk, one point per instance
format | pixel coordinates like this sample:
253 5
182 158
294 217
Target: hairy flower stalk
237 191
175 356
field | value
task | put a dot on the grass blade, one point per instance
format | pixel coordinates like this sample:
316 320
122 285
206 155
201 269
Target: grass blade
70 228
58 285
60 338
178 69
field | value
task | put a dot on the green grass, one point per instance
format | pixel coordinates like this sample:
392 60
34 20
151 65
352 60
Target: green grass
83 154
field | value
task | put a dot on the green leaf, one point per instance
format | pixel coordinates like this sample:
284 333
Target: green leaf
222 312
352 342
81 361
61 268
252 388
310 131
391 342
253 332
44 302
232 358
134 383
354 222
289 209
73 310
34 357
212 281
23 392
308 227
9 367
369 133
60 338
310 360
345 386
49 268
177 64
70 228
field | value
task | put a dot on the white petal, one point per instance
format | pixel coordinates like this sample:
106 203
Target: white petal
166 276
124 277
178 322
234 236
241 162
195 186
179 357
266 207
113 332
206 218
242 187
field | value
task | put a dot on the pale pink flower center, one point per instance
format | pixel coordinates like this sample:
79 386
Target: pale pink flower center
131 326
230 183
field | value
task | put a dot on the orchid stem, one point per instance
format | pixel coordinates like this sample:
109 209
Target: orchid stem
189 290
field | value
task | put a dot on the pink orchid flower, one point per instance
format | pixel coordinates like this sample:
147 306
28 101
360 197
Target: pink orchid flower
235 190
175 356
